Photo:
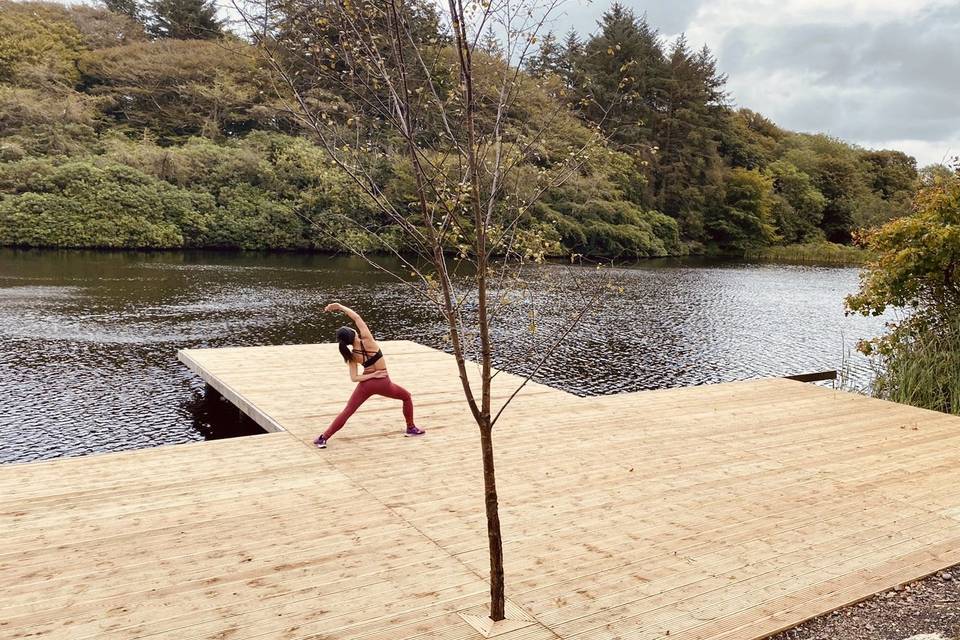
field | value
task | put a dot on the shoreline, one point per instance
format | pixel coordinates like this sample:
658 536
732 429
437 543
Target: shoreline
798 255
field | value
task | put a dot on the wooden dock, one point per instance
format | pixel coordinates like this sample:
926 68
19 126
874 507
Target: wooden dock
727 512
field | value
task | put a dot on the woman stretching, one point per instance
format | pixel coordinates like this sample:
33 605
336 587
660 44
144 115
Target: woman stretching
358 348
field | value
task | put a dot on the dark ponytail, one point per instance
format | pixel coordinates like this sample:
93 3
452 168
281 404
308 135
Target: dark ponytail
346 336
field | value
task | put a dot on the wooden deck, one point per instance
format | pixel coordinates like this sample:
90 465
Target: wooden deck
720 512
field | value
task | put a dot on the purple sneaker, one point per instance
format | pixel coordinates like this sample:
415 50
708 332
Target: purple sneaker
413 431
320 442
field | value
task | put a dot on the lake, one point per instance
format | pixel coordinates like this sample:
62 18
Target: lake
88 340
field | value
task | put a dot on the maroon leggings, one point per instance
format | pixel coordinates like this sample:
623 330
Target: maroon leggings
365 389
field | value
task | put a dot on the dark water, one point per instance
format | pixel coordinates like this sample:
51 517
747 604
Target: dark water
88 341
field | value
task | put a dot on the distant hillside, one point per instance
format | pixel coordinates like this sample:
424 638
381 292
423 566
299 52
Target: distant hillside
113 134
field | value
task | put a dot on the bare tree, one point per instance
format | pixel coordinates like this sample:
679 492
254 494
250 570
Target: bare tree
413 78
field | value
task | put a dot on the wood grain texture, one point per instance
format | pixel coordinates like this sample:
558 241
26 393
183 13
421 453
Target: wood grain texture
720 512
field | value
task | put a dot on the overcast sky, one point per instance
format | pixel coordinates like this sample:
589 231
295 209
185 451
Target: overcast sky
881 73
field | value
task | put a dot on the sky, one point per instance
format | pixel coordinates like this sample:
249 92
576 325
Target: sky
879 73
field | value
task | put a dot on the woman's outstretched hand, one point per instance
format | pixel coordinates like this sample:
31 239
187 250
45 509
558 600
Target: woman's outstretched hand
333 306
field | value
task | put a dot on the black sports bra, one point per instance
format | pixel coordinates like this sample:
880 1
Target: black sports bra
372 359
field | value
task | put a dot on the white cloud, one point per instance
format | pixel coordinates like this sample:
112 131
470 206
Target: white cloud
879 73
715 17
925 151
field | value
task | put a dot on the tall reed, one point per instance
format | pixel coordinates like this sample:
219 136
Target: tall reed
826 253
923 369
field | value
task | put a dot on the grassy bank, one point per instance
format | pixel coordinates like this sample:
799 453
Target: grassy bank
826 253
923 370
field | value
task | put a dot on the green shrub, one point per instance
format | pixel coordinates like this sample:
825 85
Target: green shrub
38 44
619 229
80 204
21 176
47 122
51 220
916 267
249 218
198 164
181 88
101 27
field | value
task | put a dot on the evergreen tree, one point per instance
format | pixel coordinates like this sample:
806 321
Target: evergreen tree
124 7
184 19
623 67
549 59
624 64
490 44
688 167
572 47
571 66
714 82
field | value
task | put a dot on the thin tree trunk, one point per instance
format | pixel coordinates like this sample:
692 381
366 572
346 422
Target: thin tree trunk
497 596
360 48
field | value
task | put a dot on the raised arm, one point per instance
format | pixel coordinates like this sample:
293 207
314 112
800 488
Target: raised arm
353 315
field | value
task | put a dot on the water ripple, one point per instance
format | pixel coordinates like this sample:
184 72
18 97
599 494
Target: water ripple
88 341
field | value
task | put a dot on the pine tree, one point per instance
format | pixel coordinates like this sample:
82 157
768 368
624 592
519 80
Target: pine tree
623 68
714 82
184 19
124 7
624 63
688 167
674 128
571 64
549 59
490 44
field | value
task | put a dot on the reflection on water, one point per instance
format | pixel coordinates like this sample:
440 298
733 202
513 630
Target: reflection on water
88 340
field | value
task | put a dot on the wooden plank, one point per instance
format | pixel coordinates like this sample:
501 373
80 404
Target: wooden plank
723 511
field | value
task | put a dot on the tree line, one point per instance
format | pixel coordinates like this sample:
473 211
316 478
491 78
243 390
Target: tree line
154 125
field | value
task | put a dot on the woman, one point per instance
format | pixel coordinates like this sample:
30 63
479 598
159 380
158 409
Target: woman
358 348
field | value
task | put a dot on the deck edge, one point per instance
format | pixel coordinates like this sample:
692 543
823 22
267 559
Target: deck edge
236 399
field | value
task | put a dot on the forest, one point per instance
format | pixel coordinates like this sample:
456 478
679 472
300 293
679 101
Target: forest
155 125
